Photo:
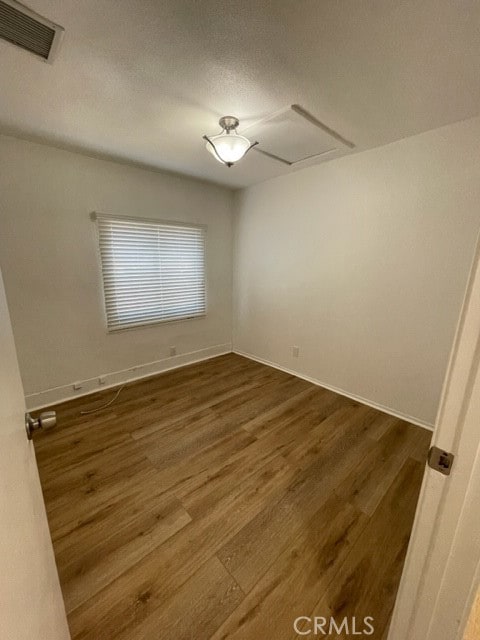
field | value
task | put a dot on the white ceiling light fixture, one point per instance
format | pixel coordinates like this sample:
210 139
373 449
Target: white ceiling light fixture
228 146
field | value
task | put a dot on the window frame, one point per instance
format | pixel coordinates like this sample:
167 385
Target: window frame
95 216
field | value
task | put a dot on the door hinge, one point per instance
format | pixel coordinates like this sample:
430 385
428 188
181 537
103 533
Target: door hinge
440 460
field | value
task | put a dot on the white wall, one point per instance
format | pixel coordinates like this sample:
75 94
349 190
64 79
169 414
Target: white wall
362 262
48 254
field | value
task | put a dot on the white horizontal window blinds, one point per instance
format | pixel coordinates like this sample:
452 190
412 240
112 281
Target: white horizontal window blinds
152 271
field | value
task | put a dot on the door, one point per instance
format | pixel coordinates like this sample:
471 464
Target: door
442 570
31 603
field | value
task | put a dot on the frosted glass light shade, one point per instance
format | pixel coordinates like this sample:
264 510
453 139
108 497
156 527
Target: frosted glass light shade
230 146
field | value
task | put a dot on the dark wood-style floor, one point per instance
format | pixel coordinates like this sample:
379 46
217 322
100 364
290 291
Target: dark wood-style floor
223 500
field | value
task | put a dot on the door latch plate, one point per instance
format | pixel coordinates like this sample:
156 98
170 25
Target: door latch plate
440 460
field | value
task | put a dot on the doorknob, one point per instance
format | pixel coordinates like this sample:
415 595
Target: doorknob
45 420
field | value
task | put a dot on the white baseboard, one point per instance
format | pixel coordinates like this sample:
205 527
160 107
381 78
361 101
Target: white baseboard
41 399
342 392
66 392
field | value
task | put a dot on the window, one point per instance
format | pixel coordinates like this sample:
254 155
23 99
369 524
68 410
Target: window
152 271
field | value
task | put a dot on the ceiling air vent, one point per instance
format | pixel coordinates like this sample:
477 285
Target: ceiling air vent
26 29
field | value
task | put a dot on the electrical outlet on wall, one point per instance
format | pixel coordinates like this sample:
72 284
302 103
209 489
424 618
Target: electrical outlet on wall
101 380
295 351
77 386
173 351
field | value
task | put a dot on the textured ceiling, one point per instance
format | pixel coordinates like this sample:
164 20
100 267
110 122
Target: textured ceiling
143 80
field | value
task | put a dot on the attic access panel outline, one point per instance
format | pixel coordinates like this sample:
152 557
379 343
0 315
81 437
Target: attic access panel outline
293 136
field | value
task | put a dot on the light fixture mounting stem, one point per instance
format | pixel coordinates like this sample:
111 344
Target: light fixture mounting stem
228 123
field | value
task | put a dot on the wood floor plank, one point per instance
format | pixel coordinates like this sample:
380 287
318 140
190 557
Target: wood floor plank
249 554
222 499
230 478
366 584
283 412
374 473
339 426
66 512
58 481
121 606
422 447
75 540
199 407
78 450
184 438
192 470
404 438
196 610
293 582
88 567
167 409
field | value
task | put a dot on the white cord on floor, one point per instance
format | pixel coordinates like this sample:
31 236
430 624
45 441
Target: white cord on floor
103 406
